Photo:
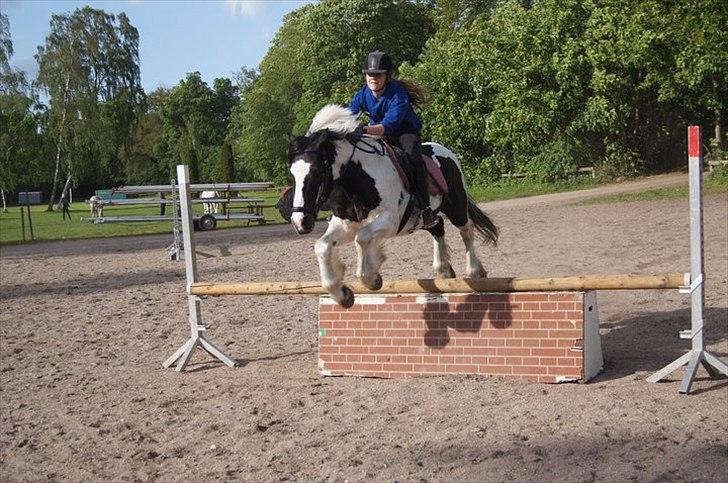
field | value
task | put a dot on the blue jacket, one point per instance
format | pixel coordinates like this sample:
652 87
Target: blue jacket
392 110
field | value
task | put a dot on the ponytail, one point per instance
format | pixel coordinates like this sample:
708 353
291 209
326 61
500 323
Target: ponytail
415 92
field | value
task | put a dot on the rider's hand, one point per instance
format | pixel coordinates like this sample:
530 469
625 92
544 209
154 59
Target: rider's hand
356 135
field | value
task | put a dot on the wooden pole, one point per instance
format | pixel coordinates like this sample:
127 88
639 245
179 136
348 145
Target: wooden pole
453 285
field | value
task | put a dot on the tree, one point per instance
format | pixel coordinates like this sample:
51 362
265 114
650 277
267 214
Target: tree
89 69
21 140
315 59
196 120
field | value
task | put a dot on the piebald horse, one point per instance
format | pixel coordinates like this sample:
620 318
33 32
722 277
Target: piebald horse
370 203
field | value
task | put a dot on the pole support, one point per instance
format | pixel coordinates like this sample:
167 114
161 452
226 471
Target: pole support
183 355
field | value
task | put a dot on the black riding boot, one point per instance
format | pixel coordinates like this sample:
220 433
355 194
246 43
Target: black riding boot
423 197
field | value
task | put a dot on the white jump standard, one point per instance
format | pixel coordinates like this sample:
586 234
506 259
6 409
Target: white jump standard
697 354
184 353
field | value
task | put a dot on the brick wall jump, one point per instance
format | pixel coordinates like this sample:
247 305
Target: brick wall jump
534 336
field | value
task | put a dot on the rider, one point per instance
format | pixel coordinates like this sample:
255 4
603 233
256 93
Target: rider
388 103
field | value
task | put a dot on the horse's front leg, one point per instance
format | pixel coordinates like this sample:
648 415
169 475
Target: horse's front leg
474 267
330 266
369 249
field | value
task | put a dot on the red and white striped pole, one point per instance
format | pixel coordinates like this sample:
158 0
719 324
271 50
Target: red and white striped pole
697 354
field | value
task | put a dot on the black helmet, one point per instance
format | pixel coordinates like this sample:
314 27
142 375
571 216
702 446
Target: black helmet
377 62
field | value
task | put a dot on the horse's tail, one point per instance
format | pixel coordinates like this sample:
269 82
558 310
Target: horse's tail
483 225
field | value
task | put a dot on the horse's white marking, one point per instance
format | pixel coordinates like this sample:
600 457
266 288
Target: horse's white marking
299 170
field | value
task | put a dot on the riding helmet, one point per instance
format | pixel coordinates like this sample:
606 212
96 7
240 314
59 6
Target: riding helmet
377 62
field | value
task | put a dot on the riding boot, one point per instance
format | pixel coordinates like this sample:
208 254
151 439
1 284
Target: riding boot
423 197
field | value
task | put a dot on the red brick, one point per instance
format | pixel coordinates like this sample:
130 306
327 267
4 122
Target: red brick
366 367
531 333
398 367
569 306
340 332
513 361
513 351
368 358
565 371
547 361
414 359
548 315
549 352
485 351
529 370
429 368
338 366
353 358
565 334
354 350
529 297
548 306
461 368
447 359
463 360
389 359
329 316
496 361
495 370
327 349
569 361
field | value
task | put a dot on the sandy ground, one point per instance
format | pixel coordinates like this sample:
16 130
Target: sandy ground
85 325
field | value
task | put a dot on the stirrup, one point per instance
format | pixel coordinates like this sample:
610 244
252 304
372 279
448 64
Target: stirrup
433 221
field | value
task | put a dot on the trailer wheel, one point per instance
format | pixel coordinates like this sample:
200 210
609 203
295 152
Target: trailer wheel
207 222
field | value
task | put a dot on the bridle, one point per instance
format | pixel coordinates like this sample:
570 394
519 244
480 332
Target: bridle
326 186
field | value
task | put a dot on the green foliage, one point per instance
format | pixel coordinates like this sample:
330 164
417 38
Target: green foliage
195 121
544 88
89 68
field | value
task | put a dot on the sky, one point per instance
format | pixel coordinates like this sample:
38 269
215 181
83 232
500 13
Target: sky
214 37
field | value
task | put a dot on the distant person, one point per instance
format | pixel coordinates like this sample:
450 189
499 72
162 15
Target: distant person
63 205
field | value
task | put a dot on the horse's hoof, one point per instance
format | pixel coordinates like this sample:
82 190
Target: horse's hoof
445 272
375 283
348 300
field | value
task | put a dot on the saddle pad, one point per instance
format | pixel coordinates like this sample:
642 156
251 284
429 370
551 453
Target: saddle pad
436 173
432 168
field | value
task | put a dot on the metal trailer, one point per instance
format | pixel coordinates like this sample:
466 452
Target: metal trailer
205 222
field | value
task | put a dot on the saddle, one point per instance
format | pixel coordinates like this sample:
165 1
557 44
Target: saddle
436 184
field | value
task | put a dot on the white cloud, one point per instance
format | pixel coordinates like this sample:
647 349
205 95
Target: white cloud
245 8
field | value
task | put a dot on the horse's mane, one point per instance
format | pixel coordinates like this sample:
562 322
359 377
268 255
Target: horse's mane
335 118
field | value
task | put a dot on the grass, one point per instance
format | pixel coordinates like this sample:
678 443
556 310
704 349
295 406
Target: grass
51 226
711 185
519 188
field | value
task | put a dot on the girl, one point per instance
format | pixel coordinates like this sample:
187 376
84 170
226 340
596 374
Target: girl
388 103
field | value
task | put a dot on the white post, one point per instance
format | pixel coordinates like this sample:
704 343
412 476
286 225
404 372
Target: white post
185 352
2 192
697 354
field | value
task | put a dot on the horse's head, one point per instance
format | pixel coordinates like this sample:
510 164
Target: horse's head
311 159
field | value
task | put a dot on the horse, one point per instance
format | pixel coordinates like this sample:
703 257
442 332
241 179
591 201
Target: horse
370 202
211 207
97 208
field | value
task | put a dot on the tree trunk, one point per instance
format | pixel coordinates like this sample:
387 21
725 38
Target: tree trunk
66 186
718 120
58 148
